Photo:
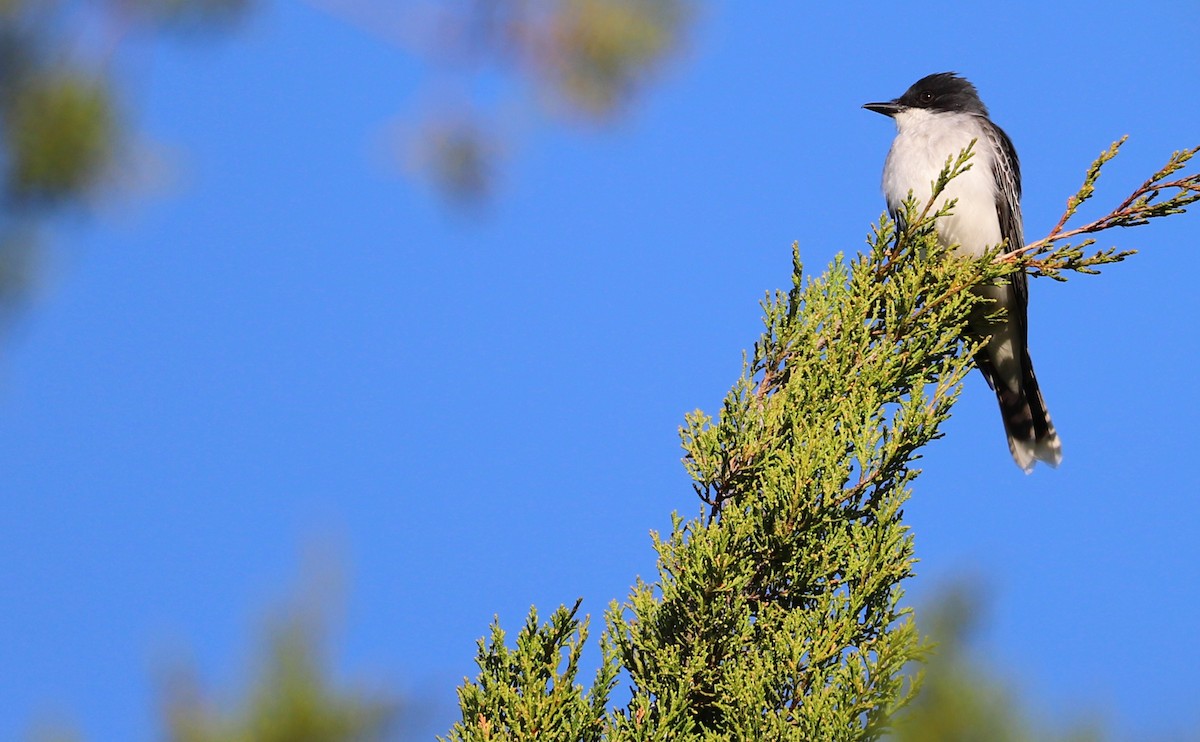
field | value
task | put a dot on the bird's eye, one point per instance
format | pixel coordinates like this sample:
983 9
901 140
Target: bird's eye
927 97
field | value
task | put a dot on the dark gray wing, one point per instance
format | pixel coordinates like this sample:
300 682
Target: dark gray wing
1006 169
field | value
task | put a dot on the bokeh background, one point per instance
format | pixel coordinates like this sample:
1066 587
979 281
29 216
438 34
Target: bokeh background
388 312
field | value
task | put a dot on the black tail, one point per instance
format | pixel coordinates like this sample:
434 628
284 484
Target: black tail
1031 435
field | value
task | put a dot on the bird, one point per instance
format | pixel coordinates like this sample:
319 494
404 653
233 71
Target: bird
936 119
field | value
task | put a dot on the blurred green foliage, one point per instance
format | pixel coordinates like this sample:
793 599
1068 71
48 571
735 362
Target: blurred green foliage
63 128
60 119
292 701
586 61
58 101
961 699
603 49
59 133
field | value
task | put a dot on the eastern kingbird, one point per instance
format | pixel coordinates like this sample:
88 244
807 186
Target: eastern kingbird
937 118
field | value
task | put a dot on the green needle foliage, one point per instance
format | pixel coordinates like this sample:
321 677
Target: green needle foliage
776 613
522 693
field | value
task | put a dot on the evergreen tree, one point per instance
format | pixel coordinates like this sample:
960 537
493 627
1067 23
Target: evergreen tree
777 609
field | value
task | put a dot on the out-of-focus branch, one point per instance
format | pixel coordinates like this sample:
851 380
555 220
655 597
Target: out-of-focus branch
60 115
580 61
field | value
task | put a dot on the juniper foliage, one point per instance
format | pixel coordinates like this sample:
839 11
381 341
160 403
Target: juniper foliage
776 613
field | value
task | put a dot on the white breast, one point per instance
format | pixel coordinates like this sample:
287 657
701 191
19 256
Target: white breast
924 141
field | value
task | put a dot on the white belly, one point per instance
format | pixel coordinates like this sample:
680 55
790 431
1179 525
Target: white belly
923 144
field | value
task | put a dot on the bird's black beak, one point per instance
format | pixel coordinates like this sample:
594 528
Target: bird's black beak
889 108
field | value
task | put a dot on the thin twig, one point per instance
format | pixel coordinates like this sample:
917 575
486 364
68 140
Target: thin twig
1136 209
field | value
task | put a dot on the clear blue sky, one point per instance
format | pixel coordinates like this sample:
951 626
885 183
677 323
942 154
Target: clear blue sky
296 349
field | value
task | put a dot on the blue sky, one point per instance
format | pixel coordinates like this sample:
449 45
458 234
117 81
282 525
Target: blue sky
289 348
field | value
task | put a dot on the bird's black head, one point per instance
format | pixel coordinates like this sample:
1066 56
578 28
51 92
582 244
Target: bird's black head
942 92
